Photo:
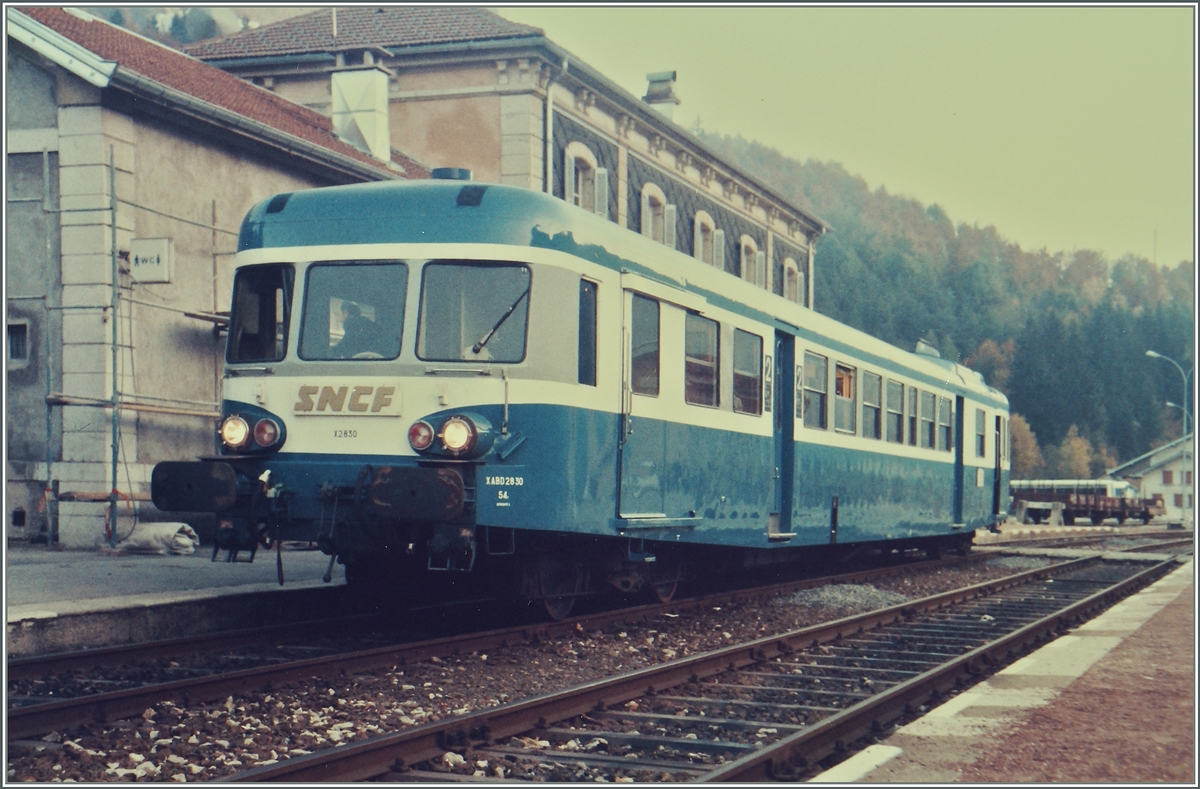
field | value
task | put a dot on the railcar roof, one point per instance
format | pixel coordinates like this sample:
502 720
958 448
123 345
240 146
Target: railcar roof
445 212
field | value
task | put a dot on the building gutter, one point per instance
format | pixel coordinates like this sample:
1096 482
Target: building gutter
179 101
58 48
548 131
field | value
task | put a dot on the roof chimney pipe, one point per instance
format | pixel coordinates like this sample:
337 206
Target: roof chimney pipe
660 93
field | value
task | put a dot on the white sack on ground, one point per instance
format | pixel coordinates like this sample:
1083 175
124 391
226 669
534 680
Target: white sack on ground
162 538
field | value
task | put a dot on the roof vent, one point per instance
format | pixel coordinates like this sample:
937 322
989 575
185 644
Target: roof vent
925 349
278 202
451 174
660 93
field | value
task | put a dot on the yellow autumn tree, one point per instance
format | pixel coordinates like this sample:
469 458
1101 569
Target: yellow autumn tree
1027 460
1071 459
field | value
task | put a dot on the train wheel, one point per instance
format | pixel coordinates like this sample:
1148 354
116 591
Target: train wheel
664 581
559 583
665 593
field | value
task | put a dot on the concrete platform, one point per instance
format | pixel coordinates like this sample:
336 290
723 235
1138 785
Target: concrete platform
966 728
58 600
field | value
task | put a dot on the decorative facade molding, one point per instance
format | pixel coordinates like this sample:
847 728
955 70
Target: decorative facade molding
584 100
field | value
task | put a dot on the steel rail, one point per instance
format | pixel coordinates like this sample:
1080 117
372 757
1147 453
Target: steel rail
782 760
40 718
1155 547
379 755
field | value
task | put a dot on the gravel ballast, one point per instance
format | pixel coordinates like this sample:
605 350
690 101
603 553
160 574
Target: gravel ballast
173 743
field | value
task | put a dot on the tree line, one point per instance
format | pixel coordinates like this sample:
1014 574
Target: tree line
1062 334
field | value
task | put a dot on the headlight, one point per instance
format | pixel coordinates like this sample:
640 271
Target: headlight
235 433
266 432
458 434
420 435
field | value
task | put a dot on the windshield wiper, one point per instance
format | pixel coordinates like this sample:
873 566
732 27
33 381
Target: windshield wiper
477 347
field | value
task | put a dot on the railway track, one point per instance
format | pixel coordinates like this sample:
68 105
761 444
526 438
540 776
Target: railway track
39 715
1145 541
763 710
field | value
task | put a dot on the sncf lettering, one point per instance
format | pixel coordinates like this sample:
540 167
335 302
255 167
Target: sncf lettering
330 397
311 399
306 399
383 398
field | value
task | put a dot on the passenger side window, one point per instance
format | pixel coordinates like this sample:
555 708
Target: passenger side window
844 398
643 371
945 425
872 391
912 416
928 421
587 332
895 412
980 433
747 372
816 388
701 382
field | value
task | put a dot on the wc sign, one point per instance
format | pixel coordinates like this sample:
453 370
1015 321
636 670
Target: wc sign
150 259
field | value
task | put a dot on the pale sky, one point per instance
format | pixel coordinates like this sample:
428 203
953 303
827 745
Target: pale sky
1066 128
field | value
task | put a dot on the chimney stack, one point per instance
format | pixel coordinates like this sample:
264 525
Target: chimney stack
660 93
360 106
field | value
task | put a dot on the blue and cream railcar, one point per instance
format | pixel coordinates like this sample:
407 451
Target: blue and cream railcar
459 376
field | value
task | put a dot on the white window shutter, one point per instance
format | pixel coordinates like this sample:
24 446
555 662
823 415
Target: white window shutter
647 219
697 241
669 226
719 249
602 192
760 269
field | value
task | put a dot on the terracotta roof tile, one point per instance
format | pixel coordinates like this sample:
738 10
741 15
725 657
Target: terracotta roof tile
176 70
367 26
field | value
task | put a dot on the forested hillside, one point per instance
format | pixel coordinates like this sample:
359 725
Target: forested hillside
1063 334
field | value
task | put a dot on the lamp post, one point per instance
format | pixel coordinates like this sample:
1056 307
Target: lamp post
1182 375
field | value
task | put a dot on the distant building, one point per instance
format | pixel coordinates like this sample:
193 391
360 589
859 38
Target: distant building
458 86
1166 470
129 168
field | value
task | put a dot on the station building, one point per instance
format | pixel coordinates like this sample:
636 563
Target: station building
131 165
1166 471
129 168
462 87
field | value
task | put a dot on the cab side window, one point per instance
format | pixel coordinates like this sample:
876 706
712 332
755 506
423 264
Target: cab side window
587 332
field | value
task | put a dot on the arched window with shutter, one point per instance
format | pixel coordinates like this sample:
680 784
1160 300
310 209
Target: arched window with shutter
658 217
587 183
753 262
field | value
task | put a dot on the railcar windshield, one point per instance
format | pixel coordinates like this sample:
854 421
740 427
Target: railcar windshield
353 310
473 311
258 322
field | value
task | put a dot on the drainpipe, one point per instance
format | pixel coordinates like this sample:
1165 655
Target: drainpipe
548 132
116 302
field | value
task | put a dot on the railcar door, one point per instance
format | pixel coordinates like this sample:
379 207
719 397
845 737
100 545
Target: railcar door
782 400
643 446
998 506
959 470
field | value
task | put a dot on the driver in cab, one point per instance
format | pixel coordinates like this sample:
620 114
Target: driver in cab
358 332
